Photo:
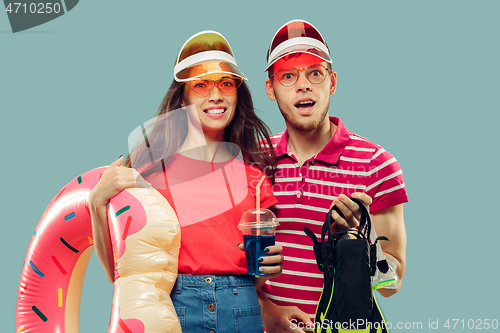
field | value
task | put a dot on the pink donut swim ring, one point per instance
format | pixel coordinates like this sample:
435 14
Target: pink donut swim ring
145 235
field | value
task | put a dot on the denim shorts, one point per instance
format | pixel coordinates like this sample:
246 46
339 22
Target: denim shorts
217 304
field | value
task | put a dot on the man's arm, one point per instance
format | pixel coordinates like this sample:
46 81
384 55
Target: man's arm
389 222
282 319
277 319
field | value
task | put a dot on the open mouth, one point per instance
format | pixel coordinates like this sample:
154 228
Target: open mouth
215 111
305 104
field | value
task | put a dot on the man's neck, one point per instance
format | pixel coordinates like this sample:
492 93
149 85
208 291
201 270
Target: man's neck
305 145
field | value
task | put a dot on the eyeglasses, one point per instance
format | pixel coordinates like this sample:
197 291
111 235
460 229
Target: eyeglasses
204 87
315 74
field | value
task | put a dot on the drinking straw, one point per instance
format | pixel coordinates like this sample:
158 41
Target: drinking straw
257 194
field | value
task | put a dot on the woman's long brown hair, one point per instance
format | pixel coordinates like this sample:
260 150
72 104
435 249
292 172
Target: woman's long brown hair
246 130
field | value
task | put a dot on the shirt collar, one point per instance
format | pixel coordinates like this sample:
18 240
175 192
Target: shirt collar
335 147
330 152
282 144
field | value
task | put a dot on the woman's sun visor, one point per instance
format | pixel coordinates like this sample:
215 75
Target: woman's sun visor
205 53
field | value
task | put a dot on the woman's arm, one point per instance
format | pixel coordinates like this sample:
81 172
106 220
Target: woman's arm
102 240
113 180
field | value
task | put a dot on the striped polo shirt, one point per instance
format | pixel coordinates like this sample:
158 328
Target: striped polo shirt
348 163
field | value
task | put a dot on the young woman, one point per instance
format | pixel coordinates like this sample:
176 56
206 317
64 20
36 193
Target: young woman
202 153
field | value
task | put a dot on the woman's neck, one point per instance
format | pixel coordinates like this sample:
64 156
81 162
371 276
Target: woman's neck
204 145
210 152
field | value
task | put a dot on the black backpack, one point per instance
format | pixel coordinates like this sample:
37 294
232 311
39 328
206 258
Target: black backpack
347 301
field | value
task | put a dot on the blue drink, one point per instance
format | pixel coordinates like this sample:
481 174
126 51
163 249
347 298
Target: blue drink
258 227
254 249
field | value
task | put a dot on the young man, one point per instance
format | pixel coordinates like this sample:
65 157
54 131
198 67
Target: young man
320 163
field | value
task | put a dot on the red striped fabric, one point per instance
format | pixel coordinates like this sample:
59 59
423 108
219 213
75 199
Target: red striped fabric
348 163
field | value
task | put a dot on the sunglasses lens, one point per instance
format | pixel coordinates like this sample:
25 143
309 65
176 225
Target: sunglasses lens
316 74
288 76
203 87
228 86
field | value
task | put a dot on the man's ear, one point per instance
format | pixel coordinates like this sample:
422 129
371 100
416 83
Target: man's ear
270 90
334 83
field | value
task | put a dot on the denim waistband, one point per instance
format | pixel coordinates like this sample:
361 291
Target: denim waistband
213 281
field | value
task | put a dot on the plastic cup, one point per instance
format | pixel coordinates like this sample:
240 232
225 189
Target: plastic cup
258 228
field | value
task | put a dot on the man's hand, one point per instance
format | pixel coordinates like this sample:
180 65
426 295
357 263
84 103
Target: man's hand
282 319
350 210
388 222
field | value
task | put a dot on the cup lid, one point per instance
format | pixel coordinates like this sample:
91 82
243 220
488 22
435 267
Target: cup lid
262 219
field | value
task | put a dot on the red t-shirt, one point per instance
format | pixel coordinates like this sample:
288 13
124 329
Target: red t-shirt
209 200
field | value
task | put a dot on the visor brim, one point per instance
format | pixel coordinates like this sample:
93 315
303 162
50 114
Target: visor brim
198 71
299 49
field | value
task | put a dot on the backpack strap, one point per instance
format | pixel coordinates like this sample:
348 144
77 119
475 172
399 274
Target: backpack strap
316 247
324 249
365 222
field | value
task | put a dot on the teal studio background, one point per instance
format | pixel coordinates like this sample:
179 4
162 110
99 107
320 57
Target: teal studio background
417 77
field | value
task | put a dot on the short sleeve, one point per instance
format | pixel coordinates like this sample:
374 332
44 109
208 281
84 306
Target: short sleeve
385 183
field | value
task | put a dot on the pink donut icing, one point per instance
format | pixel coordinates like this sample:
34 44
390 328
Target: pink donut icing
52 277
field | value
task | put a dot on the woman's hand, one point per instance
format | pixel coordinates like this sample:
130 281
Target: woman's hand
115 179
275 258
